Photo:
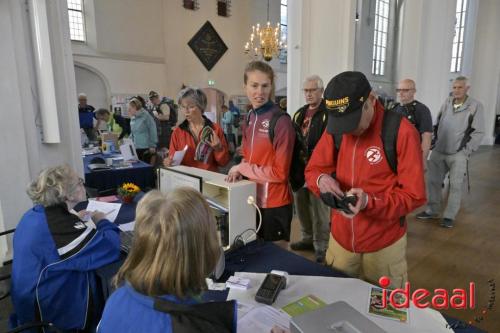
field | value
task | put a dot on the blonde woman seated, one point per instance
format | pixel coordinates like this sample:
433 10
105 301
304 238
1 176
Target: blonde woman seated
56 251
175 248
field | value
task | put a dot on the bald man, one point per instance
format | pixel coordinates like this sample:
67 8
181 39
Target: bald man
417 113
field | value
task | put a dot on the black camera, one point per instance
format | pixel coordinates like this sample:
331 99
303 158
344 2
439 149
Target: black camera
341 203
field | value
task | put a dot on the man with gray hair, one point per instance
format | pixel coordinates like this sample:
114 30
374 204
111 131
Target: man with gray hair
82 104
460 129
314 215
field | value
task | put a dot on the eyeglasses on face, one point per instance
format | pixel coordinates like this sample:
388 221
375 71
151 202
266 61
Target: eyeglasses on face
307 91
403 90
186 107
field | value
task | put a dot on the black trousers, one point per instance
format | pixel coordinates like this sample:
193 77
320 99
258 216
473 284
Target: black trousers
276 223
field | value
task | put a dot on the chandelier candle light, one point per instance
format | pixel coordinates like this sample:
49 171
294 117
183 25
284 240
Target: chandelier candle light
265 41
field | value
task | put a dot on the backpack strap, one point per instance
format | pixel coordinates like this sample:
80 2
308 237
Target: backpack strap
272 124
337 139
390 129
212 317
468 131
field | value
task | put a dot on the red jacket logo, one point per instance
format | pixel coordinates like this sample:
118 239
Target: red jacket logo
265 123
373 155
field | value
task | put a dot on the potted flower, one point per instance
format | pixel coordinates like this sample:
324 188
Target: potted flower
128 191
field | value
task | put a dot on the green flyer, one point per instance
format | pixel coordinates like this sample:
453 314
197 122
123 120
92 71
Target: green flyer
303 305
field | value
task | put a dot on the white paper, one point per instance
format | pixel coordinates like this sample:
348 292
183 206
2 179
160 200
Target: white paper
237 282
243 308
127 226
178 156
127 149
352 291
109 209
263 319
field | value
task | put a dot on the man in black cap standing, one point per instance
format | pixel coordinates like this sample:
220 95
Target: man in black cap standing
353 159
164 117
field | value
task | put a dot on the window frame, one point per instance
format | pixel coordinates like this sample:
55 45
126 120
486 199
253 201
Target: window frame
381 32
283 53
457 46
83 26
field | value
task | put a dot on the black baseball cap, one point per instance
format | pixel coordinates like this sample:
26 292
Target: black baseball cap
344 97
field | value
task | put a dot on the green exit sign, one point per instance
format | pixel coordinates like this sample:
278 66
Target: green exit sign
211 83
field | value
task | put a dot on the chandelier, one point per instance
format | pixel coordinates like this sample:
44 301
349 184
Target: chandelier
265 41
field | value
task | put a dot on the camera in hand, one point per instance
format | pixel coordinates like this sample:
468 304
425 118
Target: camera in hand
270 288
339 203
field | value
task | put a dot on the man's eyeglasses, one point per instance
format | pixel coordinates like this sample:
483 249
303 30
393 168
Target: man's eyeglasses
307 91
403 90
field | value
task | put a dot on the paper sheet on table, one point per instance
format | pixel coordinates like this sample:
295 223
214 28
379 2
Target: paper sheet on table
109 209
262 319
178 156
353 291
127 226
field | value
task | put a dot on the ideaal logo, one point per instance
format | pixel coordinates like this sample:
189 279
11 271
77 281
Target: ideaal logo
460 299
440 300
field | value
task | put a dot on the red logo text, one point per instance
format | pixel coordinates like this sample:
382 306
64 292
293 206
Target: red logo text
422 298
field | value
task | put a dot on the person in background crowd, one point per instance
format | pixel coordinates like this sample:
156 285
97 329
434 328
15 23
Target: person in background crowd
368 241
163 117
86 117
82 104
206 146
227 125
417 113
264 162
56 251
460 129
283 104
143 131
101 120
313 213
236 115
175 248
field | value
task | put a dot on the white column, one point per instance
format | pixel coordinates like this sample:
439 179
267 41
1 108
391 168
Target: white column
321 37
485 78
425 48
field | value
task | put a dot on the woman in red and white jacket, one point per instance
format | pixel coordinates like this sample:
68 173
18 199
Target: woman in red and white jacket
206 145
264 162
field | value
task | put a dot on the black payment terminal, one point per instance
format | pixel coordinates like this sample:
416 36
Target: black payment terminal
270 288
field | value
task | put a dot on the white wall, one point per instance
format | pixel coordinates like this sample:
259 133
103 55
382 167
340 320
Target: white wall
427 29
23 153
125 45
90 83
126 76
142 45
486 65
183 66
131 27
321 41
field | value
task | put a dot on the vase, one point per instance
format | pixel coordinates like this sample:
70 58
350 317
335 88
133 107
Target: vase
127 199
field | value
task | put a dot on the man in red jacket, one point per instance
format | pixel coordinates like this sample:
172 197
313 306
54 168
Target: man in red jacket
369 242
